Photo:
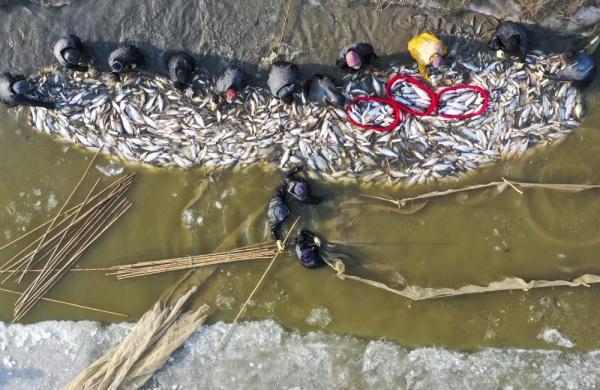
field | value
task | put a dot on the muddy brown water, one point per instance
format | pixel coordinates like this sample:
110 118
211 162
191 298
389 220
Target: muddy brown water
453 241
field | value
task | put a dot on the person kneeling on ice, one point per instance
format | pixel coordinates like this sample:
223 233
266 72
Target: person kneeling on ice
322 89
13 90
579 68
68 52
283 80
427 50
511 38
124 59
307 246
230 83
355 56
180 66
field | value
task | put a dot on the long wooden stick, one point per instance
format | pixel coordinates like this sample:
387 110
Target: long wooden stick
51 260
22 310
85 230
51 263
65 214
253 252
70 304
117 188
264 275
94 219
59 212
71 270
15 261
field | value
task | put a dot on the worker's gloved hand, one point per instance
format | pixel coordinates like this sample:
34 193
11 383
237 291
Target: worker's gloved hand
317 241
280 246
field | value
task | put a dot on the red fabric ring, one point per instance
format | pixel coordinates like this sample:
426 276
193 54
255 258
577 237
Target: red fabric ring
484 105
418 83
395 122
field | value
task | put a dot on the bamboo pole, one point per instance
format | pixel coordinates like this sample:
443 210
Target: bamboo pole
264 275
252 252
69 211
71 270
71 304
120 187
59 212
23 309
95 218
65 249
86 225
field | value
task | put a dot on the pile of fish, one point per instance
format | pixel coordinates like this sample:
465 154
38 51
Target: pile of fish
411 96
372 113
460 102
144 118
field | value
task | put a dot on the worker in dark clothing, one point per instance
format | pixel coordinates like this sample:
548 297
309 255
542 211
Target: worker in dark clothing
355 56
511 38
231 82
68 51
299 188
579 68
124 59
283 80
307 246
322 89
13 90
180 66
277 212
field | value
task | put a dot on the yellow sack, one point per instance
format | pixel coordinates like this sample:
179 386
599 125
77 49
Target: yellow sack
423 47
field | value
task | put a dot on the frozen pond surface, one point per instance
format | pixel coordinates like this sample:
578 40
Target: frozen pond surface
262 354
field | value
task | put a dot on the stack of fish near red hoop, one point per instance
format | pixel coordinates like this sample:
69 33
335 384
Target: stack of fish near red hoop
409 95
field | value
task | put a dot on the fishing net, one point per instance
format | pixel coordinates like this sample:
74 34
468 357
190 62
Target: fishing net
419 293
146 349
368 203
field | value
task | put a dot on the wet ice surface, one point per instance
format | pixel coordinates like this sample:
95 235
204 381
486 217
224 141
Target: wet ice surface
262 354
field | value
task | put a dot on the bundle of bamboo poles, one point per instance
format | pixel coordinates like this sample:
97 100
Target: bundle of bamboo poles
265 250
63 239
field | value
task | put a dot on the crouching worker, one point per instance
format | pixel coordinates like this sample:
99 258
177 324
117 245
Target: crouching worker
307 246
510 37
427 50
180 66
283 81
579 68
299 188
68 51
277 213
125 58
322 89
355 56
13 90
278 210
